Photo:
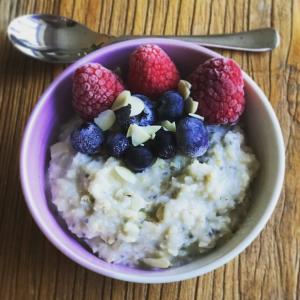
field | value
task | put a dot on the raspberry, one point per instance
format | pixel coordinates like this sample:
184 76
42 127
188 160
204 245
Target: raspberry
151 71
218 86
94 90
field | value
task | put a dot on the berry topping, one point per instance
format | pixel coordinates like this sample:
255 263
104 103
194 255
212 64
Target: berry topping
138 158
192 137
151 71
143 129
94 90
87 139
170 106
123 117
116 144
218 86
145 118
164 144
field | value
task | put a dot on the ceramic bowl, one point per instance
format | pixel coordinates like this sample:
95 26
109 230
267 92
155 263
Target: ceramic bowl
54 108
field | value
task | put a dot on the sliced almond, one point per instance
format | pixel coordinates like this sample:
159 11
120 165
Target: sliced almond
129 131
125 174
197 116
139 135
106 119
184 88
130 232
121 101
137 105
169 126
190 106
151 130
162 263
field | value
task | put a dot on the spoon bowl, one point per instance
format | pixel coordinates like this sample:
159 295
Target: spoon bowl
53 39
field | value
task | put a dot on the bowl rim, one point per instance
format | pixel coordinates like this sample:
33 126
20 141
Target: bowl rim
132 277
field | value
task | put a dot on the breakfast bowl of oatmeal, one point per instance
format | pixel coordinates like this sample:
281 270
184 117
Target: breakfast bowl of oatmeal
152 161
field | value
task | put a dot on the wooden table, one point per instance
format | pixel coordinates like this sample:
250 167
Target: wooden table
31 268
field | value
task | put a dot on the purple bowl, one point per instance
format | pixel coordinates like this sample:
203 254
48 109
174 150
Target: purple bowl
54 108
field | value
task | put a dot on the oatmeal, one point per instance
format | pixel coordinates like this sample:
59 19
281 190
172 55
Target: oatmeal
175 208
143 178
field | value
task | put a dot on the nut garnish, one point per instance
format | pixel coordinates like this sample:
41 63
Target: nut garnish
152 130
162 262
169 126
184 88
137 105
139 135
121 101
125 174
190 105
105 119
197 116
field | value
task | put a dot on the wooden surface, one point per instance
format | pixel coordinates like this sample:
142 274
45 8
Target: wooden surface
31 268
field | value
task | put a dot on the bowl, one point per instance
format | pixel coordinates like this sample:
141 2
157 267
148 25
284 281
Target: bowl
54 107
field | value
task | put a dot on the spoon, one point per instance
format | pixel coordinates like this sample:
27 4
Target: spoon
61 40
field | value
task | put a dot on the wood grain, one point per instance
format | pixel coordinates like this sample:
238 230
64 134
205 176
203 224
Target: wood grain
31 268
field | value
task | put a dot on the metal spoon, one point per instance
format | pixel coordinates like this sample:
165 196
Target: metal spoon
60 40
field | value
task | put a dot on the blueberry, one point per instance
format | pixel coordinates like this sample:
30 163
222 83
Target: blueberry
116 144
191 136
148 115
145 118
164 144
138 158
87 139
170 106
123 117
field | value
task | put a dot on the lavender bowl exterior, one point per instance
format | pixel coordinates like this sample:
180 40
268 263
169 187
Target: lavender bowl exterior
54 108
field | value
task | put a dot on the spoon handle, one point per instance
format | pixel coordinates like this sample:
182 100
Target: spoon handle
258 40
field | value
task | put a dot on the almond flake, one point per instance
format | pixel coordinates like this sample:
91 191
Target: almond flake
125 174
197 116
106 119
184 88
191 106
137 105
130 232
129 130
121 101
139 135
151 130
169 126
162 263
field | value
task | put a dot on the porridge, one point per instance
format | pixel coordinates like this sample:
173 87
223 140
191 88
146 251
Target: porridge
152 217
166 186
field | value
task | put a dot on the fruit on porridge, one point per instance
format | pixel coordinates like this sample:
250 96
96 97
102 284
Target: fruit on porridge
153 171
